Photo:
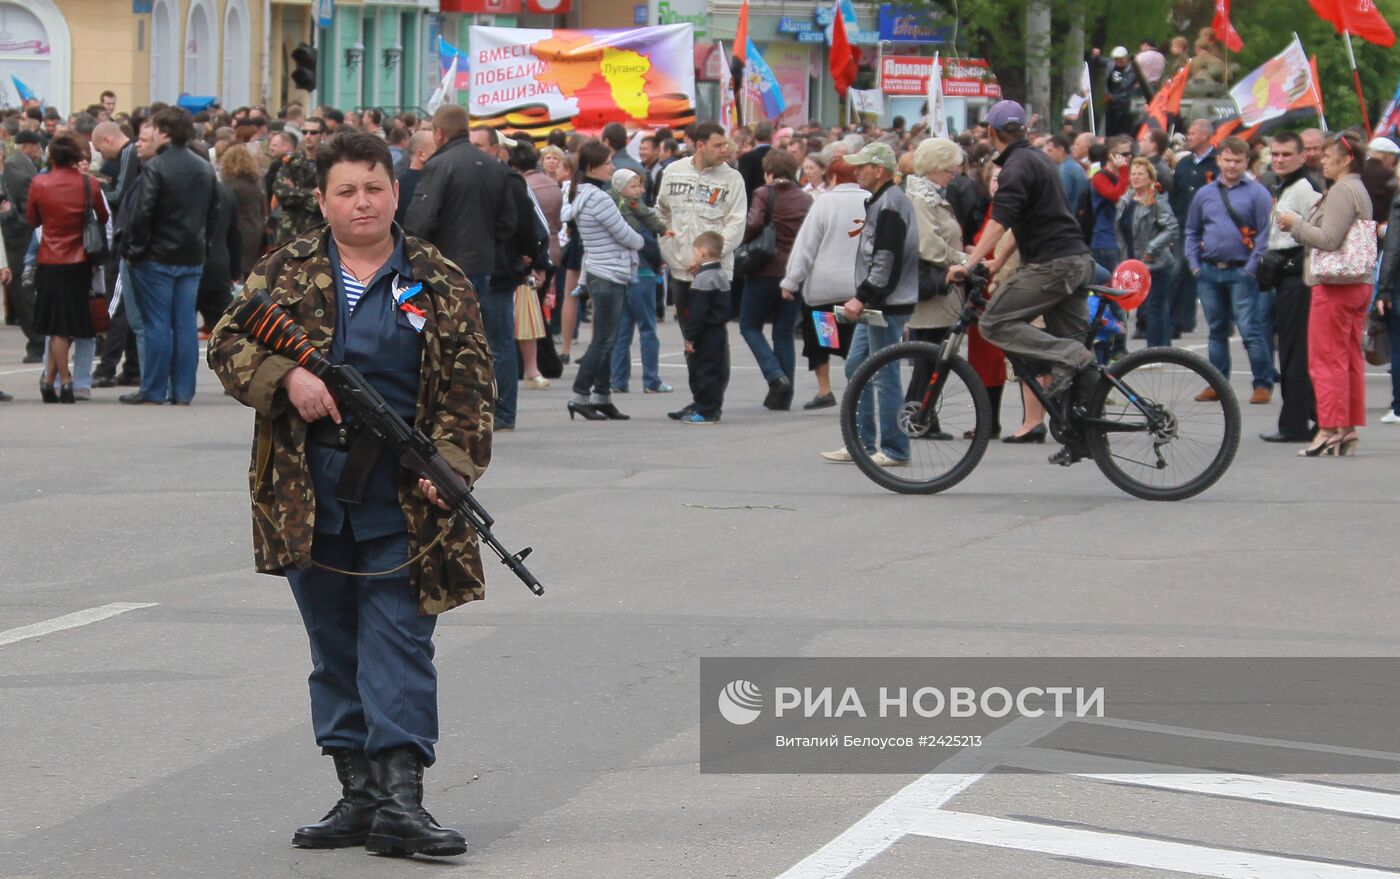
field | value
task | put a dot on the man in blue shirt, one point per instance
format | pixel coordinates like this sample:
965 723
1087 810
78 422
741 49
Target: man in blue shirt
1226 231
1072 176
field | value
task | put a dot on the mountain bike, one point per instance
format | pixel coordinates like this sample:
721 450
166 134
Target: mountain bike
1146 422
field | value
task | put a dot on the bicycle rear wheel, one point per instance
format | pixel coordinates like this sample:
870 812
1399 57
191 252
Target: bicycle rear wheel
1195 441
938 445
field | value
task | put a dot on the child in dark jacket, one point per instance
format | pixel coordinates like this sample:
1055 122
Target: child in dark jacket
706 332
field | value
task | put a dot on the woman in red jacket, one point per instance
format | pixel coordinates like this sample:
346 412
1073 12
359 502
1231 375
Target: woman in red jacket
63 279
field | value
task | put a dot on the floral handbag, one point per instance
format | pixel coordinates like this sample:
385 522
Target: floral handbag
1355 261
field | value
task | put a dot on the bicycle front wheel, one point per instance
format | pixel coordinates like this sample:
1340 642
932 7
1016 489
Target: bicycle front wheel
1187 444
930 447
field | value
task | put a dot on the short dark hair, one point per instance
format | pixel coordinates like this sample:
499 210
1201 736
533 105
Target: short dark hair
107 93
175 123
451 120
66 150
670 145
557 138
1159 140
763 131
652 139
492 137
1060 142
317 119
1289 137
335 115
897 123
374 114
1098 152
351 146
706 130
524 156
1235 146
709 243
85 124
615 136
781 164
25 137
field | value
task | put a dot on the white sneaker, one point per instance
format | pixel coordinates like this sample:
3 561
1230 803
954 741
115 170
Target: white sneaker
884 460
840 456
1390 418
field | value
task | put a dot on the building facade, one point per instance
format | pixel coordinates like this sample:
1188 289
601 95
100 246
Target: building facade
67 52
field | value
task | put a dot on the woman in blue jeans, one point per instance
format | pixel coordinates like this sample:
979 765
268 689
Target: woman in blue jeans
609 262
783 205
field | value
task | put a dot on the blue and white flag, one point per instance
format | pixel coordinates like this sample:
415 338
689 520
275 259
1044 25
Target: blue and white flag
760 85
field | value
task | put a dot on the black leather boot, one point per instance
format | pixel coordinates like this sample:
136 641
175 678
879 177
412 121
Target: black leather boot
401 825
348 822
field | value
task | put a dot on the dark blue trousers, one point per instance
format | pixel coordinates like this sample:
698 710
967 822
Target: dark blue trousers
373 684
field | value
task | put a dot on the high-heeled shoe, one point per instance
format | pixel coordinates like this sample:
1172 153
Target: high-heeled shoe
1327 446
610 412
1347 445
46 391
65 393
1034 435
587 410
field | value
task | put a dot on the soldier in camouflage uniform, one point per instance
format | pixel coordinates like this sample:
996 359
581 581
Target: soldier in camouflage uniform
294 187
408 320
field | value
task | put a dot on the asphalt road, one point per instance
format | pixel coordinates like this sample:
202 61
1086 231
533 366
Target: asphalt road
170 737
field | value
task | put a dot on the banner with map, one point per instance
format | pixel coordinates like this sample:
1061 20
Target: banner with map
534 80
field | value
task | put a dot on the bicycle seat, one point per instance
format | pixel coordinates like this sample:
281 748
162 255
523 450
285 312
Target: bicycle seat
1109 292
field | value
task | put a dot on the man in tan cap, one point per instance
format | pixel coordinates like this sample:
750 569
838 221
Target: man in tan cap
886 278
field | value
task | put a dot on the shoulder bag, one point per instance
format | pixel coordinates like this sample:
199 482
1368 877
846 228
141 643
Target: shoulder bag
1355 260
95 243
753 255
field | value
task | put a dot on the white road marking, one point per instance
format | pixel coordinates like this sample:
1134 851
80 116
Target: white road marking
1276 791
70 621
1211 735
917 809
887 822
1117 849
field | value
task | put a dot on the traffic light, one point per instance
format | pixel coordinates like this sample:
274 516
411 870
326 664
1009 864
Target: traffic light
304 76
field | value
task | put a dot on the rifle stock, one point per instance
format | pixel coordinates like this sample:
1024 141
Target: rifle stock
267 322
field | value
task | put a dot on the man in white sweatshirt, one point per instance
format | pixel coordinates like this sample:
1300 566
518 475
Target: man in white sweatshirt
700 194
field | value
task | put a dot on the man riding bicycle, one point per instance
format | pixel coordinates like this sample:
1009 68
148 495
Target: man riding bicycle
1030 201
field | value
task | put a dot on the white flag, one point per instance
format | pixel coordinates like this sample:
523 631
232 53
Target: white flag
938 120
446 92
868 101
726 89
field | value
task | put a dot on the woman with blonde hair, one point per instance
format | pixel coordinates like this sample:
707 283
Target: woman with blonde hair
1146 229
240 172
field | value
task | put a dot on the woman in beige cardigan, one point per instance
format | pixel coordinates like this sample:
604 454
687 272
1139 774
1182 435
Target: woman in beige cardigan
935 160
1338 313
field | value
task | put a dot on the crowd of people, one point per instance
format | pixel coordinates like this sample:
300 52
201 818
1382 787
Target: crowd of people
611 231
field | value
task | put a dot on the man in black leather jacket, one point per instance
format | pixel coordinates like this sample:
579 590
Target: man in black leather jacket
464 207
166 239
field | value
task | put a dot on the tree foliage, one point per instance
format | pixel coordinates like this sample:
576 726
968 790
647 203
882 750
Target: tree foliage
995 30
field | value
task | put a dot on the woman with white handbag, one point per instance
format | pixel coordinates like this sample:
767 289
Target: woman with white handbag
1340 240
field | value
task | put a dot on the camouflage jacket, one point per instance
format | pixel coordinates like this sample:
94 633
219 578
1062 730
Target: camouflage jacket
294 187
456 397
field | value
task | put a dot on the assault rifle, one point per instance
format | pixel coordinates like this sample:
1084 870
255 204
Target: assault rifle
267 322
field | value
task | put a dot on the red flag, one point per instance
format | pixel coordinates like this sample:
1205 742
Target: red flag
1167 102
1225 30
741 36
842 57
1358 17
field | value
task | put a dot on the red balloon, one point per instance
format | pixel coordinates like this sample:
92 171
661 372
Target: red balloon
1132 276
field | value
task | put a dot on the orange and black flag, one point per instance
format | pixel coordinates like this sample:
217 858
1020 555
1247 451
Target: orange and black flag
1166 104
